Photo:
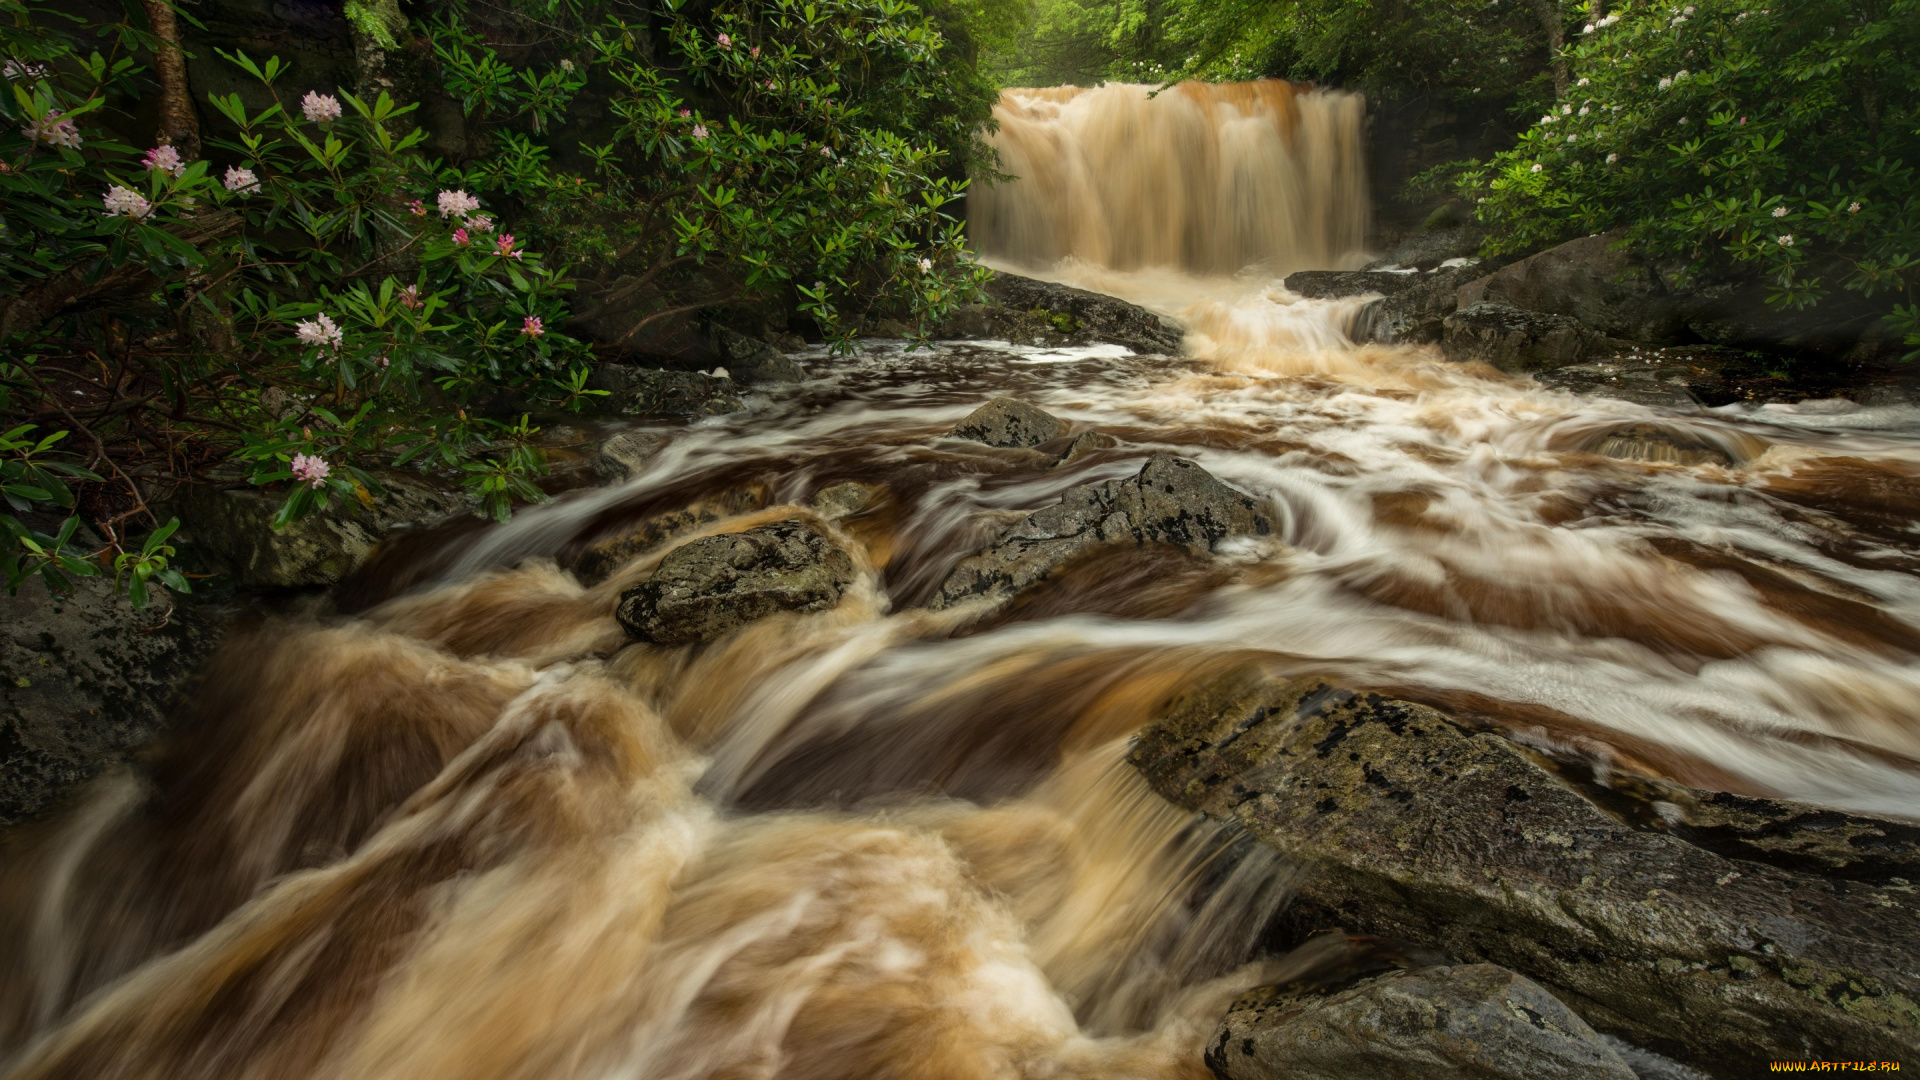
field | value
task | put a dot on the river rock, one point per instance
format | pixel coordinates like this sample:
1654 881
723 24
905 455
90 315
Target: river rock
231 528
1472 1022
1515 340
1412 827
1414 315
1006 422
845 499
1081 316
753 362
1170 501
85 679
1593 280
624 455
636 390
1087 442
1334 284
647 531
708 588
1661 446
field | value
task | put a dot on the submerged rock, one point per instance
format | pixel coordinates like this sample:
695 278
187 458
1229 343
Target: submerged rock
1006 422
1087 442
845 499
624 455
1515 340
708 588
1413 827
648 532
1170 501
1649 443
232 528
1334 284
1473 1022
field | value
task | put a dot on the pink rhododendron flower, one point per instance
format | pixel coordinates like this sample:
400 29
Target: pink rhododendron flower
480 223
164 158
410 298
418 208
319 332
461 238
241 182
53 131
532 327
684 113
725 42
311 470
457 204
320 108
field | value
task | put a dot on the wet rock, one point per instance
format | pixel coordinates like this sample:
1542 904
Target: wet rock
1006 422
969 322
708 588
634 390
1644 379
1415 828
1434 249
1170 501
1646 442
1333 284
624 455
85 679
231 530
1472 1022
1080 316
753 362
1593 280
1417 314
649 531
1515 340
1085 443
845 499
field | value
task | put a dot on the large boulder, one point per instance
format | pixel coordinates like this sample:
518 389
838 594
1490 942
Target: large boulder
1699 934
1515 340
231 529
1079 316
708 588
1472 1022
1009 423
85 679
1593 280
1171 501
1414 315
753 362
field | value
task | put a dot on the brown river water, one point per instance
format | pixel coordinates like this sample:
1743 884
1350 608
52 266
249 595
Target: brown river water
469 831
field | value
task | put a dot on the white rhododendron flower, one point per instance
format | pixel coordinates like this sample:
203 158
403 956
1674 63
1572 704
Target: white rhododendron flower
124 200
320 108
241 181
319 332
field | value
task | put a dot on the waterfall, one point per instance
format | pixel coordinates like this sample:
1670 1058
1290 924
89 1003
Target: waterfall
1205 178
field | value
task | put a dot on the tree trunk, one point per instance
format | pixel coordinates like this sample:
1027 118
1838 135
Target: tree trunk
1553 20
179 125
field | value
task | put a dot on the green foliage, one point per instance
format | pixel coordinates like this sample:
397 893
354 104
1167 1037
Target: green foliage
1466 47
807 153
1774 137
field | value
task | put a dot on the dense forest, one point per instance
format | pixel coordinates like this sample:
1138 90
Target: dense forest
392 237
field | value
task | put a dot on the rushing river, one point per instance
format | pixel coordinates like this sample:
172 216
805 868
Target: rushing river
470 831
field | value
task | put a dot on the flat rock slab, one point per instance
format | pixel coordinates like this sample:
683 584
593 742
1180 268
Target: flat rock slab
1414 828
1334 284
1006 422
708 588
1516 340
1170 501
1473 1022
634 390
1080 316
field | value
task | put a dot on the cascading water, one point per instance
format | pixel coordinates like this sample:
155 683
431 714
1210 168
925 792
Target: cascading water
473 832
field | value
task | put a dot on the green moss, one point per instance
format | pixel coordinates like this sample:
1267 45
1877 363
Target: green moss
380 20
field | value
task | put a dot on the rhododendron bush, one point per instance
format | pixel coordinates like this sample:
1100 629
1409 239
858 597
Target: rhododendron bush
1770 136
312 295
